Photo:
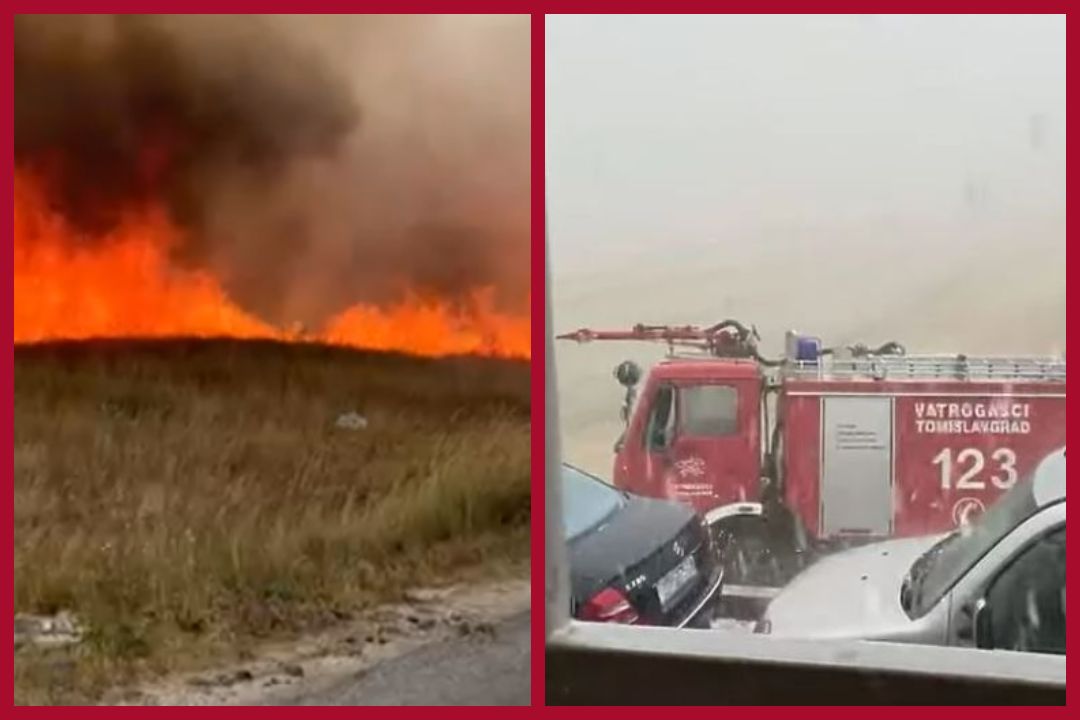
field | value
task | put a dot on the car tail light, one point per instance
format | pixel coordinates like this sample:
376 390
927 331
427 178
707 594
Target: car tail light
609 605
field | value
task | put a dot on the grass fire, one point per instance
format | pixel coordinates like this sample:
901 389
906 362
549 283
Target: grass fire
125 286
271 328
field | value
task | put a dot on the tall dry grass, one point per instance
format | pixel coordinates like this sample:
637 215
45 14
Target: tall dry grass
186 499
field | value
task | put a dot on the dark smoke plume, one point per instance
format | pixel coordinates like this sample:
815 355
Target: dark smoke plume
313 162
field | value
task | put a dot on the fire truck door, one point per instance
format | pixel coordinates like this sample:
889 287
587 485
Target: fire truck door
716 445
856 468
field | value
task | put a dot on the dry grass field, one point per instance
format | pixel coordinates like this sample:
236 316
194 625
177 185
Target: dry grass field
186 499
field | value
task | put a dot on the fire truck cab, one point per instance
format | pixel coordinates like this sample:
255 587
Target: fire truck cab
695 433
830 447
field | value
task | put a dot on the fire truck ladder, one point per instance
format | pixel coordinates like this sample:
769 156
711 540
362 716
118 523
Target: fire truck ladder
932 367
732 339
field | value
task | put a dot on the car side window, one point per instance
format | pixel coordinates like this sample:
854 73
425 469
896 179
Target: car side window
661 426
1027 600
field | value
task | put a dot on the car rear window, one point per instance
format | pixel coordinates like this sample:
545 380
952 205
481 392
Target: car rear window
587 502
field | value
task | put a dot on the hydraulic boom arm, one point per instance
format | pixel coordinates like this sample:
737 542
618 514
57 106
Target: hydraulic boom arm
729 338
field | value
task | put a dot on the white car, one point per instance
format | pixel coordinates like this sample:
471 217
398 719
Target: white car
998 583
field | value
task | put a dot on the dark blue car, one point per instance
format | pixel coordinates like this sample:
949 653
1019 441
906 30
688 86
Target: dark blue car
636 560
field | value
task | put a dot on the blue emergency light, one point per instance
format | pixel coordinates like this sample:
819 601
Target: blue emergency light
809 349
802 348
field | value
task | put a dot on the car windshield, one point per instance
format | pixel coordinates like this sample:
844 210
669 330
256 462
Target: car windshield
945 563
588 502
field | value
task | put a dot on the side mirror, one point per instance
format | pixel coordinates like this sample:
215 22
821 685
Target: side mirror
981 624
628 373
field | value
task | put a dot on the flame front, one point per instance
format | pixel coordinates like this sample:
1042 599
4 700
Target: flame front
124 285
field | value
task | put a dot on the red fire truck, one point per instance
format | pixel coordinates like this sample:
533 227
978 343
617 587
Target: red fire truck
827 447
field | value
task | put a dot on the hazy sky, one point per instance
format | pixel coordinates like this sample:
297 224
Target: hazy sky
861 178
691 129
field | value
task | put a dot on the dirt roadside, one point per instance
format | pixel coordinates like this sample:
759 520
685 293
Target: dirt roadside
293 673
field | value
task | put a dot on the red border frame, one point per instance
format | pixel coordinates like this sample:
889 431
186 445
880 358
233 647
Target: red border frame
538 7
9 364
1070 124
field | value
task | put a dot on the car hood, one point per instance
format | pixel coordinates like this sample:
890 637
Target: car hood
853 594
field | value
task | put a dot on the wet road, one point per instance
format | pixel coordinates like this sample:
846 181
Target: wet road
483 669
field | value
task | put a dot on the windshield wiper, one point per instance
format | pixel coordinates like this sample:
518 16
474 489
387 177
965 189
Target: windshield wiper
912 590
905 594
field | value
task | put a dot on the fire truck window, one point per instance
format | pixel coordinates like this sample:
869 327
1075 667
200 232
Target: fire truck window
709 410
661 426
1027 601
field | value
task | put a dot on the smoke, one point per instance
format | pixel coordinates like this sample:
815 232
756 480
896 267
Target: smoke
313 162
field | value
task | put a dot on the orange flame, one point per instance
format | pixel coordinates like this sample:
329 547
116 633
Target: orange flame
124 285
